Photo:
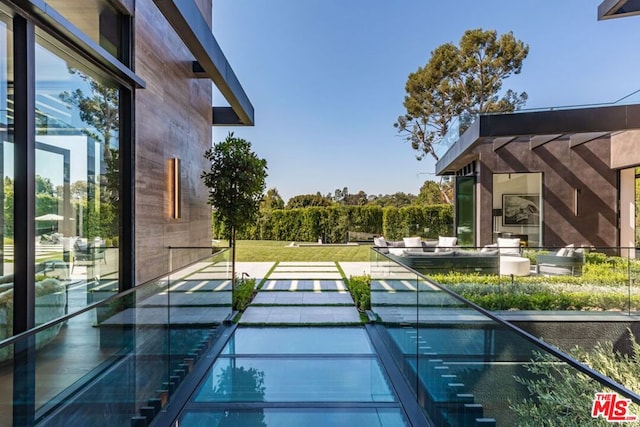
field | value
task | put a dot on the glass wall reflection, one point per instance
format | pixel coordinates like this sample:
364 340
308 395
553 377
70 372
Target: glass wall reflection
77 182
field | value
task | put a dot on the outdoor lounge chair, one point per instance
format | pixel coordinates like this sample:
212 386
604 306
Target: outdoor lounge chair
88 253
565 262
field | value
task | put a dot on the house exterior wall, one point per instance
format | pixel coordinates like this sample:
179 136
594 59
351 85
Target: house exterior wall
624 149
172 119
564 169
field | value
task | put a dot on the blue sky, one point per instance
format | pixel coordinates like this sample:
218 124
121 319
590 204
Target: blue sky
327 77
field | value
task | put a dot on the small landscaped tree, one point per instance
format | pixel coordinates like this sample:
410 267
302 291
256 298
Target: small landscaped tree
236 183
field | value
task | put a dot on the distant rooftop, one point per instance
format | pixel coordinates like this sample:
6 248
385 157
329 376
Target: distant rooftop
450 151
580 124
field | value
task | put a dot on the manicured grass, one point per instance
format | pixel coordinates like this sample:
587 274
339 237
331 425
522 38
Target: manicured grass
268 250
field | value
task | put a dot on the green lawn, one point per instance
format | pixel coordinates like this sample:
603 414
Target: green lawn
268 250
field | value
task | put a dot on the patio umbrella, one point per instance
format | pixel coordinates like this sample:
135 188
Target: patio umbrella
49 217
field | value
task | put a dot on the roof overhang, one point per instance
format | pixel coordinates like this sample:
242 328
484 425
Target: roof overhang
538 128
618 8
58 23
187 20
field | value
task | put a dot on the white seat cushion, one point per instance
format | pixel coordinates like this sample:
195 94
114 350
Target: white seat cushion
566 251
446 243
509 246
412 242
379 242
397 251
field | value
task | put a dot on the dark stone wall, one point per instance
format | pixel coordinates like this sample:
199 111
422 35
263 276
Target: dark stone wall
584 167
566 335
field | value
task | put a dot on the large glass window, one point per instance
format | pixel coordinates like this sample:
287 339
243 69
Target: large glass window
6 170
77 178
517 206
465 210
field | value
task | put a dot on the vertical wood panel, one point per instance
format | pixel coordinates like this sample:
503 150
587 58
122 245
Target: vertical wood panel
173 119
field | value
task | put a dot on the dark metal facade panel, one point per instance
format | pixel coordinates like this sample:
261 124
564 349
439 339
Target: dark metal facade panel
126 253
581 138
124 6
564 169
618 8
532 124
25 166
539 140
72 35
186 19
24 382
501 142
595 119
225 116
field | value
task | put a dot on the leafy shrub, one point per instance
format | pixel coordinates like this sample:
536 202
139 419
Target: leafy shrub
360 288
493 292
562 396
243 293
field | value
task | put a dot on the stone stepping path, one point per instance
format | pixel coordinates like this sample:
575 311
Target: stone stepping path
305 285
302 293
303 298
300 315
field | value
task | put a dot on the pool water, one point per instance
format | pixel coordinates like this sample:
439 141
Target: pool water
295 376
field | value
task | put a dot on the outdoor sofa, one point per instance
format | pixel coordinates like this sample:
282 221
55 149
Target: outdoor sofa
441 256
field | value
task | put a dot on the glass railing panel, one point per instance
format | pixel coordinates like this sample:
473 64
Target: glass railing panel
583 280
456 127
120 359
82 364
199 298
6 386
456 356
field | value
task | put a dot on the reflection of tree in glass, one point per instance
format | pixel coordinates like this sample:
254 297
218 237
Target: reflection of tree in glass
237 384
99 110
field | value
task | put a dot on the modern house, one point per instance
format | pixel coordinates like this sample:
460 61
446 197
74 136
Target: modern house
106 109
553 177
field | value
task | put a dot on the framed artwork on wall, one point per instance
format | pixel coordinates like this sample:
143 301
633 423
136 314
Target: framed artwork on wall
520 209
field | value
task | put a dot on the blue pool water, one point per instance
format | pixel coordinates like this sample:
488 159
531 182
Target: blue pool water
299 340
295 376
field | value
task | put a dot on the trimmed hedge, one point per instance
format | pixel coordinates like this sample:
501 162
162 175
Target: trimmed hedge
334 222
424 221
360 289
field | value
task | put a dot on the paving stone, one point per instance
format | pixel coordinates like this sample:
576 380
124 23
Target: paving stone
304 275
